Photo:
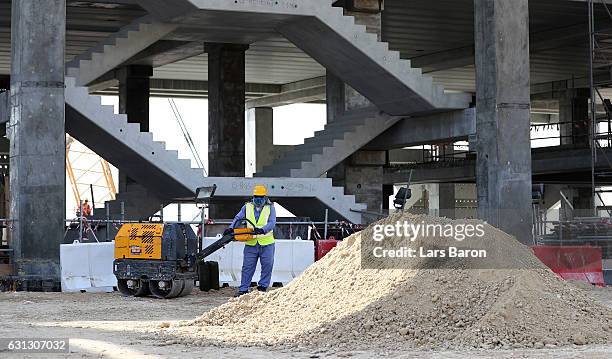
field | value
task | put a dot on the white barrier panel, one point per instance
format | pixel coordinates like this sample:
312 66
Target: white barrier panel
87 266
291 258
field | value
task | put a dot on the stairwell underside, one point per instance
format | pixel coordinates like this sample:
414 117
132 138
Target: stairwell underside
306 196
334 41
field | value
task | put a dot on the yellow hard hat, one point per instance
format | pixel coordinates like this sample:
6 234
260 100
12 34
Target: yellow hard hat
260 190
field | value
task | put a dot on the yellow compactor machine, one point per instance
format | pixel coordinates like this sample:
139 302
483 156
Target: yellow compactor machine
164 259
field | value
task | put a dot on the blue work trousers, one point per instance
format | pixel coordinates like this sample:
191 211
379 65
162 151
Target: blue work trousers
251 254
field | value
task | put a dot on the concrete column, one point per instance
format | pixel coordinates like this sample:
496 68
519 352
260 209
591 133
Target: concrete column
582 200
362 176
387 190
134 93
226 116
37 137
259 139
446 191
502 105
574 117
5 82
335 96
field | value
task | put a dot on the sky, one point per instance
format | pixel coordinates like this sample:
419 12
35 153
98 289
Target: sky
292 124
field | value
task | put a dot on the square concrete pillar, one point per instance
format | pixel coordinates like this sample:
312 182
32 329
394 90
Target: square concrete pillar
37 138
259 139
574 117
362 176
583 202
446 191
226 109
503 173
446 200
226 117
334 96
134 93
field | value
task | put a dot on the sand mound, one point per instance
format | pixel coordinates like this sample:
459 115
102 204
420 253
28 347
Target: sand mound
336 303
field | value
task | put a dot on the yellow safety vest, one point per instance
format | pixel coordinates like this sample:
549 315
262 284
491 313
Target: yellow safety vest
262 239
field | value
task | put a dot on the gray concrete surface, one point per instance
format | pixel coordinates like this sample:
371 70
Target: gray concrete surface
574 116
339 139
226 119
161 171
37 137
502 116
117 49
441 127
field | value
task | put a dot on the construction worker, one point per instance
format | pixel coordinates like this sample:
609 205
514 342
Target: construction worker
260 211
86 209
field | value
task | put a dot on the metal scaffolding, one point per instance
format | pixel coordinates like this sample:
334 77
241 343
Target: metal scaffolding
600 60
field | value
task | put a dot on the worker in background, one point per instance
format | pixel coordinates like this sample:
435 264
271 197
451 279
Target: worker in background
86 209
261 212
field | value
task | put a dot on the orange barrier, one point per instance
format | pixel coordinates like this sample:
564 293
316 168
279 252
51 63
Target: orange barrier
581 263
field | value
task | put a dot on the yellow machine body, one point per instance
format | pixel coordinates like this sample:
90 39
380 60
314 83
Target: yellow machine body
243 234
139 241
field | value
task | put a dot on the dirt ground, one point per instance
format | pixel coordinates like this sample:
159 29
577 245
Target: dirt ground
108 325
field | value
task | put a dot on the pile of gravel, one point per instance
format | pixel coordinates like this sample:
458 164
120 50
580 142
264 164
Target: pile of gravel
338 303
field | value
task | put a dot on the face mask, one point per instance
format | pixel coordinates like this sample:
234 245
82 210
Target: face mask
259 201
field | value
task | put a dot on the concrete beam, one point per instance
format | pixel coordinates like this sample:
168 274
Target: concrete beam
436 128
596 1
287 98
549 165
316 82
304 91
107 85
165 52
539 41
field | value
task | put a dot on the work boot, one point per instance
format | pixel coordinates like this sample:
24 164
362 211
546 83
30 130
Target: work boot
239 293
261 289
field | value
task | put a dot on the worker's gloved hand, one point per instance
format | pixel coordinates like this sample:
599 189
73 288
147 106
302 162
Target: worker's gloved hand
259 231
228 231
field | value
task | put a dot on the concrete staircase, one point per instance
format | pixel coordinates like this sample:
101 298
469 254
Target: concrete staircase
161 171
337 141
117 49
139 204
334 40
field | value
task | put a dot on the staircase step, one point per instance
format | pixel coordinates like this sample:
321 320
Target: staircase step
117 48
319 154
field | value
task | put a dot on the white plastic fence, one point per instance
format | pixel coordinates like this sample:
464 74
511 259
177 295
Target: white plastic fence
87 267
291 258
